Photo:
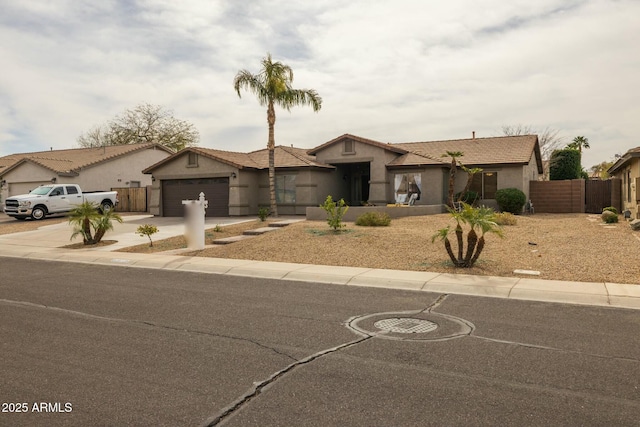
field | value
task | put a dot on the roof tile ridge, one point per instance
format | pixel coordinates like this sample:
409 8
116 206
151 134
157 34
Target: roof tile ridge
298 155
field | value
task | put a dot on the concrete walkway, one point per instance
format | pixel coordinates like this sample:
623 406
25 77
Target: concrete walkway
45 243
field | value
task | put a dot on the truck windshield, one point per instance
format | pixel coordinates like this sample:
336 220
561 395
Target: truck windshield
41 191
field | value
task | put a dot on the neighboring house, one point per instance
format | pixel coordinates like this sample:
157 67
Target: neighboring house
100 168
359 170
627 169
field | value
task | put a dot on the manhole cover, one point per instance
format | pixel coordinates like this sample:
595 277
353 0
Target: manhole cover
405 325
416 325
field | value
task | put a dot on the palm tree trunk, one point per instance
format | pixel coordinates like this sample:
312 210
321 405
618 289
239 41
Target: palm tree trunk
460 241
452 181
478 251
472 240
447 245
271 146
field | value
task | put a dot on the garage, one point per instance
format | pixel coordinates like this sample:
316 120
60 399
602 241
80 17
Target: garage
216 191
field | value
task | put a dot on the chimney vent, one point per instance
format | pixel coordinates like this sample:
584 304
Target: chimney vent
473 134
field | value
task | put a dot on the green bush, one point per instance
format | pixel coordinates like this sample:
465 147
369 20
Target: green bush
373 219
611 209
470 197
565 164
335 211
263 213
505 218
511 200
609 217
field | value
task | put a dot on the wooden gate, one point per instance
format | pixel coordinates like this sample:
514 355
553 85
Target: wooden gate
131 199
601 194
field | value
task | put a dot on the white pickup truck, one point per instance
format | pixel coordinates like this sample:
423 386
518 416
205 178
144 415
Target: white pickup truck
56 199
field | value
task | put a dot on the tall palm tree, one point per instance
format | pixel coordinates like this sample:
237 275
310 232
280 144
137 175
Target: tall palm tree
272 86
452 173
578 143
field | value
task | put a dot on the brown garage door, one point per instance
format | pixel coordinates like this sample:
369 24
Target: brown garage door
216 191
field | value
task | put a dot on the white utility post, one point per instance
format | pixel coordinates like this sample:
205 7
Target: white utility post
194 229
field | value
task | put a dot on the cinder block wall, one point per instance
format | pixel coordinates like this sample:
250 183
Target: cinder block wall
557 196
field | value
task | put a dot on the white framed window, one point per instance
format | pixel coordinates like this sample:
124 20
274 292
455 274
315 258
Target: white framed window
405 185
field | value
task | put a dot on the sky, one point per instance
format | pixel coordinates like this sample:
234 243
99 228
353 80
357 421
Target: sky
391 71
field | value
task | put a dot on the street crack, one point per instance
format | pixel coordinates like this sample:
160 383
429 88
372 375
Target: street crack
145 323
258 387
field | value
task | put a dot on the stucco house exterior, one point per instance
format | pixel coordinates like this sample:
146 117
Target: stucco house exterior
627 169
99 168
359 170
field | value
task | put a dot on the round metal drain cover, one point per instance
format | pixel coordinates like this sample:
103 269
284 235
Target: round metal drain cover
416 325
405 325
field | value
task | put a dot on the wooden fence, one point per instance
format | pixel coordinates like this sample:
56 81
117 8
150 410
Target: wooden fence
131 199
575 196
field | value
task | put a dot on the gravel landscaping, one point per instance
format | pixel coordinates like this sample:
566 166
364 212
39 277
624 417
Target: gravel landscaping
576 247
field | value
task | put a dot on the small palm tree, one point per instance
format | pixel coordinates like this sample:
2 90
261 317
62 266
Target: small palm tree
470 173
90 223
81 218
272 86
104 223
578 143
480 220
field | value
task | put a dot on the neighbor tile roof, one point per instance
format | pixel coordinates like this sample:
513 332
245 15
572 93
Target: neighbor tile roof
626 157
72 160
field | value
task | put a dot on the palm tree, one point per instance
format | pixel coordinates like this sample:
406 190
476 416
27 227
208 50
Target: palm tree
81 217
452 174
578 143
272 86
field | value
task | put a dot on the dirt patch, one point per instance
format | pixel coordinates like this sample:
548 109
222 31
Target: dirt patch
83 246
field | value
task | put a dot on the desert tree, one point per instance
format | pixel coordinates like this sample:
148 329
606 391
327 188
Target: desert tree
144 123
272 86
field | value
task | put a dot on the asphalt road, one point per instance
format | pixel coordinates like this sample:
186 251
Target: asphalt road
114 346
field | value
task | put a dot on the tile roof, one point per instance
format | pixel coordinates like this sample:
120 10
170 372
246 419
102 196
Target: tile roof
386 146
72 160
284 157
477 151
626 157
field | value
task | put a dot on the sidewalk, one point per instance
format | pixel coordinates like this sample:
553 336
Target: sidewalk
45 243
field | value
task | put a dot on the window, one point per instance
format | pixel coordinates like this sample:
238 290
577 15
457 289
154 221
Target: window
58 191
629 186
71 189
286 189
406 185
485 184
349 147
193 160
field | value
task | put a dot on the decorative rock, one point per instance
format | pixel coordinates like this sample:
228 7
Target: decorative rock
635 224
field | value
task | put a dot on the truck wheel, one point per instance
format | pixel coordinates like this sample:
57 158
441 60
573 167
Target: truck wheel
106 206
38 213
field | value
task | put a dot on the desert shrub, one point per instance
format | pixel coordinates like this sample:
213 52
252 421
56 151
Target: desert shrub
335 211
511 200
263 213
505 218
147 230
609 217
470 197
611 209
373 219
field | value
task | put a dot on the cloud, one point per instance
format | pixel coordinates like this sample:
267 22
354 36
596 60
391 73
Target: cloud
402 71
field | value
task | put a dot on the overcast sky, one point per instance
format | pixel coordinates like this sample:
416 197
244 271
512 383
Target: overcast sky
392 71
